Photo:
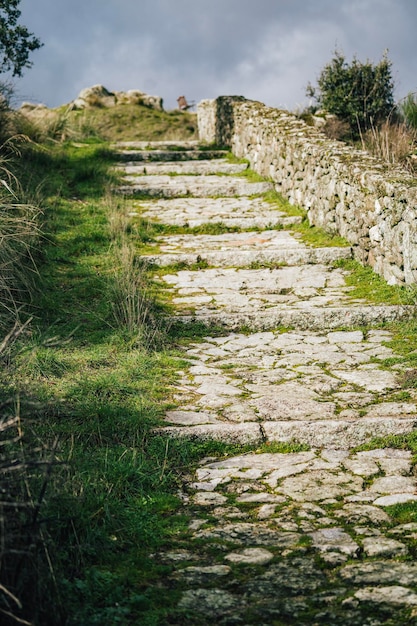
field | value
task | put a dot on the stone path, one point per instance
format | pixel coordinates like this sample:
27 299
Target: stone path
301 537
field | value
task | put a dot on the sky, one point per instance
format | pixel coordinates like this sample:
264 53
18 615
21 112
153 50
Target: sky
265 50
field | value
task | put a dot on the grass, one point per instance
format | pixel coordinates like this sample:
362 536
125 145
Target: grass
372 287
89 379
121 123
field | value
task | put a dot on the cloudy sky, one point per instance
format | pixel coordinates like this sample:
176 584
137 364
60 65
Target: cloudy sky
266 50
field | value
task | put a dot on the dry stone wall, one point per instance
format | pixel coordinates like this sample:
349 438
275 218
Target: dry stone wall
346 191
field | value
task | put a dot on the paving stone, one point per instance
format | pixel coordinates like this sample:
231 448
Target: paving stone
331 541
298 576
292 401
394 484
250 556
388 409
242 249
320 485
180 555
210 602
342 433
248 433
397 498
371 380
382 546
380 572
198 575
394 594
217 166
190 418
163 155
407 530
177 148
345 337
241 212
229 512
260 497
266 511
362 466
201 186
251 534
362 514
209 499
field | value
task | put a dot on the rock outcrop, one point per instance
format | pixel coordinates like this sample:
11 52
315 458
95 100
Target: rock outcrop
99 96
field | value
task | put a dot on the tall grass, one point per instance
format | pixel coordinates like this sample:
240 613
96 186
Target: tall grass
19 234
408 109
131 301
394 143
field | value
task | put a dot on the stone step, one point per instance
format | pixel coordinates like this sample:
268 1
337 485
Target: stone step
300 296
168 155
318 388
338 434
172 145
216 166
197 186
240 212
314 317
242 249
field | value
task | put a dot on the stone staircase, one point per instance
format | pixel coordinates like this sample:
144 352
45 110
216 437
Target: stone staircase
299 537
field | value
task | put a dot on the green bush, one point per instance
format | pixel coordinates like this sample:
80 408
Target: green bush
360 94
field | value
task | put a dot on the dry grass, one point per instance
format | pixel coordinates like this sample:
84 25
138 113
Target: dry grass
393 143
125 122
19 234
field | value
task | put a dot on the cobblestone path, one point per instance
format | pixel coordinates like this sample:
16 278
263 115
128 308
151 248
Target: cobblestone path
301 537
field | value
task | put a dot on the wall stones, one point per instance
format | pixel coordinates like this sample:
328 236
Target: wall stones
371 204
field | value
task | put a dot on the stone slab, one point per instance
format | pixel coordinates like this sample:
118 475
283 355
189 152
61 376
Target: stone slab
197 186
240 212
195 167
157 155
338 433
243 249
304 296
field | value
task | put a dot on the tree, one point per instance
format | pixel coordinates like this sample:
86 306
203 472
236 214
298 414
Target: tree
360 94
16 42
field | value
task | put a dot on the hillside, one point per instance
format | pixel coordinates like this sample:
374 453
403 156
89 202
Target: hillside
120 123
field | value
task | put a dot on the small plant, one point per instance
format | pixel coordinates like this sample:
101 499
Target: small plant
131 303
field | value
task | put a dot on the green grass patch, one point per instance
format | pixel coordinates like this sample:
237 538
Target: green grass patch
317 237
372 287
121 123
282 204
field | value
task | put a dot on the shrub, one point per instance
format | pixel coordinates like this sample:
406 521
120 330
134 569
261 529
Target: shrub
360 94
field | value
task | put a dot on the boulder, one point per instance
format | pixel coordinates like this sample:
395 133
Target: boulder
95 96
99 96
26 107
134 96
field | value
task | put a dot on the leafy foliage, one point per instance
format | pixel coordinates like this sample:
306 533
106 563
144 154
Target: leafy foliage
360 94
16 42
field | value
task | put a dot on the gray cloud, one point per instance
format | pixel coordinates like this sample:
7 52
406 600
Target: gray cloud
266 50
